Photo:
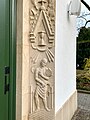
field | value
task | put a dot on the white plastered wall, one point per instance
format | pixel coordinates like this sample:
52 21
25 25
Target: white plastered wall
65 54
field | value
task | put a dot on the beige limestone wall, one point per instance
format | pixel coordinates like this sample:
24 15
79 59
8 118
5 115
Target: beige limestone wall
68 109
19 60
22 80
30 93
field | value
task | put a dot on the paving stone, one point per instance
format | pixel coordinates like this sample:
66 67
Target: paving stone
83 111
81 114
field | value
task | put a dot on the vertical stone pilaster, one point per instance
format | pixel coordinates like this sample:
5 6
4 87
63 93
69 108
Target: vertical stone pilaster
19 60
35 60
42 59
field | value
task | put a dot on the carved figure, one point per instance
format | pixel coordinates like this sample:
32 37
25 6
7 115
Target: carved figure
42 75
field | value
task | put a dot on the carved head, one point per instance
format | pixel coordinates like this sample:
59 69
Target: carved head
43 62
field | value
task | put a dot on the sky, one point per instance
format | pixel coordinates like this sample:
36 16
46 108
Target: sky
81 22
83 8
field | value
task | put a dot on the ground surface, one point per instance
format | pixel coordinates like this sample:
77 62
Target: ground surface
83 112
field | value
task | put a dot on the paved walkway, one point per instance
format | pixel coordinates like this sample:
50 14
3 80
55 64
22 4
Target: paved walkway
83 112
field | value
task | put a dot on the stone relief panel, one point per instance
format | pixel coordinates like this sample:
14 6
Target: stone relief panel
42 59
42 27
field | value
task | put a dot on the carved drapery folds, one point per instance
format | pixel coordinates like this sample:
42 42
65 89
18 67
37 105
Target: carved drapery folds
42 40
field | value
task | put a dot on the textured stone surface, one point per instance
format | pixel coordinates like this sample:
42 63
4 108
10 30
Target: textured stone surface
83 112
35 83
84 101
42 59
42 115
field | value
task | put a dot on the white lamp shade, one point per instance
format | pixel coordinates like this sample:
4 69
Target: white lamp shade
75 7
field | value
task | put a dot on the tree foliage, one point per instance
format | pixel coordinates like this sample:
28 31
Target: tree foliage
83 46
84 34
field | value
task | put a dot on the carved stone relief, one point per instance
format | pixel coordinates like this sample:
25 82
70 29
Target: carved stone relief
42 17
42 75
42 72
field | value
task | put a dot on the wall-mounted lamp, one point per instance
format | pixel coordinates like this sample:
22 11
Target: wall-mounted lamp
74 7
